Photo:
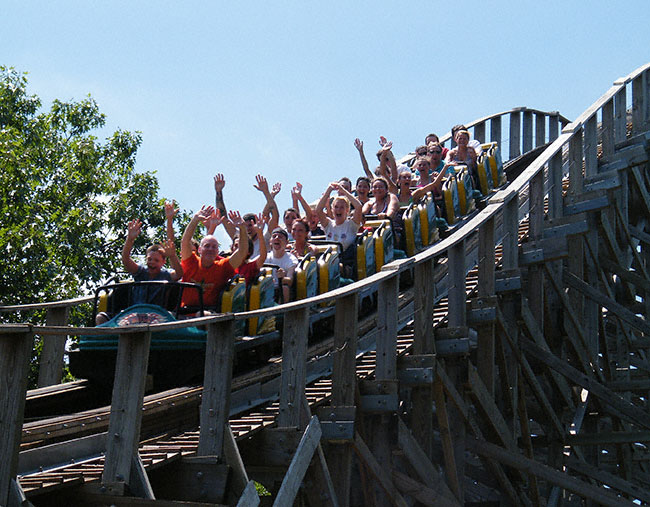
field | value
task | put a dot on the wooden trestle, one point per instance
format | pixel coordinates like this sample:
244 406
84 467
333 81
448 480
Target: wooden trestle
514 370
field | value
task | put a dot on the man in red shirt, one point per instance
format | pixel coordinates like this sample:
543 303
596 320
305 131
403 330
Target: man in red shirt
207 268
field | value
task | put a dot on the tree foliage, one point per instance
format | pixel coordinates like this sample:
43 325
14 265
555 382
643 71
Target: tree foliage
65 196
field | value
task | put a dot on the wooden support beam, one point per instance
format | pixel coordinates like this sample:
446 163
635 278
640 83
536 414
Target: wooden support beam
343 387
419 492
423 343
294 366
126 407
479 132
620 115
446 439
382 476
515 134
546 473
528 131
540 129
607 129
215 400
531 378
640 185
607 396
249 497
422 465
298 467
495 131
50 369
15 352
524 421
239 480
611 305
591 146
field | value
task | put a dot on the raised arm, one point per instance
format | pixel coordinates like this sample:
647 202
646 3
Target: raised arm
324 201
261 258
357 215
416 195
358 144
170 213
132 232
186 241
297 192
271 209
219 183
174 261
239 255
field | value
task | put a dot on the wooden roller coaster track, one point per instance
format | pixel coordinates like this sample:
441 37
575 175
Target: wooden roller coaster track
513 370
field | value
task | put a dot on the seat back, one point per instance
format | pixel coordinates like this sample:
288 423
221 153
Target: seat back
261 294
412 229
306 277
365 254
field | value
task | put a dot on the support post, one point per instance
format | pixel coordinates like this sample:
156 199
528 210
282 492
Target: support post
540 129
515 134
294 366
486 290
495 131
479 132
51 366
620 115
553 126
344 377
607 129
16 343
126 409
423 343
591 147
528 131
215 401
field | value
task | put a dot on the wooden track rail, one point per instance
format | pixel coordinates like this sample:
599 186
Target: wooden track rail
525 382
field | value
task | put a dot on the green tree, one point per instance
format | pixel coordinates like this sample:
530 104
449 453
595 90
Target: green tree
65 197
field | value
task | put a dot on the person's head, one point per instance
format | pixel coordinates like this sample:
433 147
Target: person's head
208 250
362 186
431 138
346 183
299 230
434 152
155 258
462 137
340 209
379 188
404 179
421 151
289 216
250 220
279 240
422 167
313 220
455 129
235 245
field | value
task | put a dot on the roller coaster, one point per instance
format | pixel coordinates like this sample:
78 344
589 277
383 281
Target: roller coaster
502 363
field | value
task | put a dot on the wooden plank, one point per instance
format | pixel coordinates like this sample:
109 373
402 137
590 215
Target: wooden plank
495 131
479 132
620 115
423 343
607 396
540 129
387 300
576 176
423 466
607 129
294 362
457 295
555 201
608 438
531 378
249 497
638 99
524 421
591 146
50 369
553 126
15 354
377 471
126 406
546 473
215 400
139 484
515 134
419 492
528 131
445 438
611 305
239 481
645 196
298 467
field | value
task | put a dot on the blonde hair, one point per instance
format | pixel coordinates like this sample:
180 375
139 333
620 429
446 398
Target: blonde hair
341 198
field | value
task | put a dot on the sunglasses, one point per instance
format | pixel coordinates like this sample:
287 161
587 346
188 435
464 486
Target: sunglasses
435 151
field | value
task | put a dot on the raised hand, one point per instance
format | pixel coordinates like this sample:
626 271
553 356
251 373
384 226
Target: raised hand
204 213
276 189
133 229
169 247
235 217
170 209
358 144
219 182
262 184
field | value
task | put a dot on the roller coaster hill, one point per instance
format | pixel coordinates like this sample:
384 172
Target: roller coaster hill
504 363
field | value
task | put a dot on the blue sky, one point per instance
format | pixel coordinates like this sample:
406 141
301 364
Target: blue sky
283 88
